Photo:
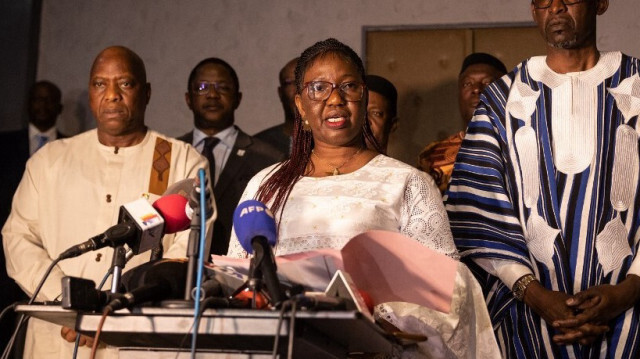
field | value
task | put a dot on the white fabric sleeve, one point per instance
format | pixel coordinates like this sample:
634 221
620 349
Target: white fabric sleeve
508 271
635 266
423 216
26 258
464 332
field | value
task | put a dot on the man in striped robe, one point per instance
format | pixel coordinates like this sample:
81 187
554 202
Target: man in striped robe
544 197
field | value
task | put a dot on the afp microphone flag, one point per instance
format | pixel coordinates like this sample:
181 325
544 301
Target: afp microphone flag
253 219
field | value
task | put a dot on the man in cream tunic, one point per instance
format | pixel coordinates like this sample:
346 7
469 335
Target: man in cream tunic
72 189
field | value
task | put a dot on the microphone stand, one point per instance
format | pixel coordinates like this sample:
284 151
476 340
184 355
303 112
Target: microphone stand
118 262
255 279
192 266
192 253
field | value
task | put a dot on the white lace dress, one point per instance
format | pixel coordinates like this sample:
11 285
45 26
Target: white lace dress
385 194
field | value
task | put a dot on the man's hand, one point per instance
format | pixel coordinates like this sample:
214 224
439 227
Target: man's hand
548 304
552 307
69 335
601 303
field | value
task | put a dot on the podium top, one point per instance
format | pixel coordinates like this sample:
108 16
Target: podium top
246 330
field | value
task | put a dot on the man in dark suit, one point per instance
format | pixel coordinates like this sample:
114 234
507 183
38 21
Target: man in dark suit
279 136
44 106
213 94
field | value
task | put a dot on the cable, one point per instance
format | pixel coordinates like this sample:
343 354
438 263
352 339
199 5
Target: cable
203 306
127 257
276 341
198 295
104 279
6 309
4 312
292 324
96 339
75 346
23 318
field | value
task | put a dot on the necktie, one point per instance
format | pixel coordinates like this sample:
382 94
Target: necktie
42 140
207 151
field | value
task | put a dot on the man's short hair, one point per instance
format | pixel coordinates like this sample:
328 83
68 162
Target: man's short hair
214 61
57 94
385 88
483 58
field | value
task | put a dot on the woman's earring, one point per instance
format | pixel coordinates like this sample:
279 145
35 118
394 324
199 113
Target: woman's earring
305 125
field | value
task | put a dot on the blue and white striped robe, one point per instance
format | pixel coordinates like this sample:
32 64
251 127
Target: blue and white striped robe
547 178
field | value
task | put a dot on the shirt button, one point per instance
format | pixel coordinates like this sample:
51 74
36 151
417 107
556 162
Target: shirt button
108 198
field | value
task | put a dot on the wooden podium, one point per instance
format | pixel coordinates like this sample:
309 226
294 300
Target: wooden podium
239 332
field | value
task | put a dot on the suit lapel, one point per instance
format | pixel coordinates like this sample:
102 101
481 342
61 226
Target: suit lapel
188 138
234 164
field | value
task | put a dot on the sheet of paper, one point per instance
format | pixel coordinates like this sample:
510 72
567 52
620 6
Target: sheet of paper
391 267
313 270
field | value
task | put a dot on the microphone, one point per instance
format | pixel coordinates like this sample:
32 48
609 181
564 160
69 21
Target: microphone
190 188
115 236
255 228
173 209
152 281
320 302
140 226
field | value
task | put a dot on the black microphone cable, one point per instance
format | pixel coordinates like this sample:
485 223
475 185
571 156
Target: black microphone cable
216 302
276 340
195 324
293 303
292 325
7 309
128 256
23 318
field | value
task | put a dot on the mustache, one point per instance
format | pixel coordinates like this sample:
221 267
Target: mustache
560 21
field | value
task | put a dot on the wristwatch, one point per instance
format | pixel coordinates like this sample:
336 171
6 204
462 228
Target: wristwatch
520 286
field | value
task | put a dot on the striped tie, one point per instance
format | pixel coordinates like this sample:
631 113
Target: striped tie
42 140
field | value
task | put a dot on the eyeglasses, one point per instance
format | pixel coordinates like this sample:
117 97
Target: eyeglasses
544 4
321 90
203 88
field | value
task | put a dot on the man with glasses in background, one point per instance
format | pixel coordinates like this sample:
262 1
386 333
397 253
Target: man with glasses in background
544 196
213 95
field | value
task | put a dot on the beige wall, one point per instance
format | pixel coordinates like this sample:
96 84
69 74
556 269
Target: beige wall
255 36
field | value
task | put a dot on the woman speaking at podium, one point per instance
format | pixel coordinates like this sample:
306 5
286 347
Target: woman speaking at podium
333 188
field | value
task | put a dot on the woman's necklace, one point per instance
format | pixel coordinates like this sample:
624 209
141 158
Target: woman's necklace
336 169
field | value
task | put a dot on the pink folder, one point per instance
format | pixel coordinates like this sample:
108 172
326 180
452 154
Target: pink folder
394 268
389 266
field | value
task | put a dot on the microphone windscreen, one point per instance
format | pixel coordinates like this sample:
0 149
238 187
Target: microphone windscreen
173 209
183 187
253 219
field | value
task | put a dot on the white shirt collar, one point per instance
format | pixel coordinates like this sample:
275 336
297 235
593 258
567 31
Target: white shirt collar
227 137
34 132
51 133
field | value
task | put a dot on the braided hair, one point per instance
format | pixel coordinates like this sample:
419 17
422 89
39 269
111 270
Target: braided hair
279 185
